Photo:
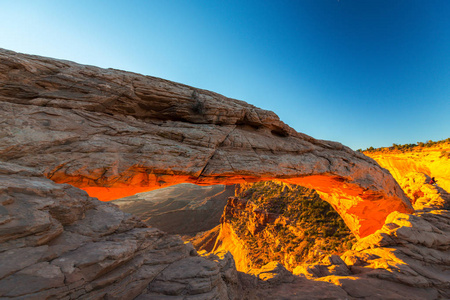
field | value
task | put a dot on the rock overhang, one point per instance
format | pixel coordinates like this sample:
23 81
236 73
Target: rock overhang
115 133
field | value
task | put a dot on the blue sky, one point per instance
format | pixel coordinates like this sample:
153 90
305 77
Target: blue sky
363 73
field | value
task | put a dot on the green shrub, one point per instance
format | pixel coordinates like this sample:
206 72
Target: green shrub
407 147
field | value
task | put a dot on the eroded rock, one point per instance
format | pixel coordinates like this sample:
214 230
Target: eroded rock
61 243
408 258
115 133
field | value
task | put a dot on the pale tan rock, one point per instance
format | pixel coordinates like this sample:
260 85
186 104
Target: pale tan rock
414 252
35 278
423 195
17 259
97 251
374 289
272 273
330 265
188 277
116 133
291 287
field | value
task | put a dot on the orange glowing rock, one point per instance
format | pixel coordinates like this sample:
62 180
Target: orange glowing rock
362 209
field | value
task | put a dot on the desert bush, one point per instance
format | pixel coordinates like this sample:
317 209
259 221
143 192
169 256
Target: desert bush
407 147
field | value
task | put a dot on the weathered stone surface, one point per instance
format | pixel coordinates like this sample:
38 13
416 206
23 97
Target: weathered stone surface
61 243
33 279
331 265
116 133
183 209
106 129
408 258
423 195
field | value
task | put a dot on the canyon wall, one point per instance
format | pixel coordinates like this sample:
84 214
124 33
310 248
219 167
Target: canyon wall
433 161
115 133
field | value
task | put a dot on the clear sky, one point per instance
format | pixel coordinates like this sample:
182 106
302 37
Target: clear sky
362 72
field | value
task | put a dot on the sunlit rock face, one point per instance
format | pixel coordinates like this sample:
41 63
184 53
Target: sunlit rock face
409 257
115 133
432 161
423 195
58 243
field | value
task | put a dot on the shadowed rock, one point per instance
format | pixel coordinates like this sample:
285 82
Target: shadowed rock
60 243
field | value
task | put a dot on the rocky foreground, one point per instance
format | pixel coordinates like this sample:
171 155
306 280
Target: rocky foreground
56 241
100 128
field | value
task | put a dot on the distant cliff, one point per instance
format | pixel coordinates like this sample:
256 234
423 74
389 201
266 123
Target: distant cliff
431 159
184 209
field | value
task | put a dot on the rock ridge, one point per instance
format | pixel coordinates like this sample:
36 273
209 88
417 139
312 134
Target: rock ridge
115 133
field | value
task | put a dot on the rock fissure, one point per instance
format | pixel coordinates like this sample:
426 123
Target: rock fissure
214 152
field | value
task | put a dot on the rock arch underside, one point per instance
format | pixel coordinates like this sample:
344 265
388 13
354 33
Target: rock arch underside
114 133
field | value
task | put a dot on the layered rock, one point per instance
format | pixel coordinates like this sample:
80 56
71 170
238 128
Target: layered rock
115 133
57 242
424 196
433 161
118 133
408 258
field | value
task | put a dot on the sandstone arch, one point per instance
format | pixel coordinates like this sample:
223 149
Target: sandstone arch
115 133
